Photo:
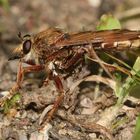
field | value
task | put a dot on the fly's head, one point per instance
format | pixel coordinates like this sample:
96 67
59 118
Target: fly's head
24 51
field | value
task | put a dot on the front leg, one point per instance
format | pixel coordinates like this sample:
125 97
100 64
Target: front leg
23 70
20 75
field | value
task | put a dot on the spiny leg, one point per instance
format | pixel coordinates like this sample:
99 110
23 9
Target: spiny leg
74 59
24 70
20 76
21 72
17 86
12 91
59 86
58 100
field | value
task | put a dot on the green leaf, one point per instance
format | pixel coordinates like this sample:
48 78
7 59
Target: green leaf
135 91
137 129
136 66
12 102
108 22
124 89
130 82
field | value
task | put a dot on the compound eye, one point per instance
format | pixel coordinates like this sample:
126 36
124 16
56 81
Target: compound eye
26 46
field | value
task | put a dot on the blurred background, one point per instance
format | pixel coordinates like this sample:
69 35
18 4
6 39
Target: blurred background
70 15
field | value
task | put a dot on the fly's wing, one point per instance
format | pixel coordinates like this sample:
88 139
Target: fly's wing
119 39
43 42
49 35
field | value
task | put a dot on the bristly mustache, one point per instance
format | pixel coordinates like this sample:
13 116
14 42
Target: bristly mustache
13 58
16 53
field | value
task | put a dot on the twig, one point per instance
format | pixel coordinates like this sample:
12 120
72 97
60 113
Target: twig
135 12
89 127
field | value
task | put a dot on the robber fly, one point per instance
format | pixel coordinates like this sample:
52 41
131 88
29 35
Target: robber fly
65 49
53 50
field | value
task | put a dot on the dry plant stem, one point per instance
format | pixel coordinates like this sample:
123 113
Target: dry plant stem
111 83
111 67
43 115
129 14
89 127
94 55
98 128
109 115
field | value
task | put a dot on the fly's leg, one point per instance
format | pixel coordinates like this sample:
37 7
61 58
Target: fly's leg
55 77
75 59
35 68
20 76
52 75
59 98
21 72
17 86
58 83
14 89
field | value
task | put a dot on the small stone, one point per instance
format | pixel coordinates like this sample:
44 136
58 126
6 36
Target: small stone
86 102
